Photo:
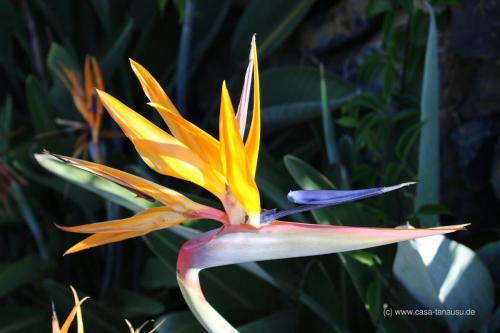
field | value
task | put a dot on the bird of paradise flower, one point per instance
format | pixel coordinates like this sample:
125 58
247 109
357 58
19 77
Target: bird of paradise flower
87 104
226 168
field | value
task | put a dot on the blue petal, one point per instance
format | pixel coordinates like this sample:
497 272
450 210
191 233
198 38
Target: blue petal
315 199
334 197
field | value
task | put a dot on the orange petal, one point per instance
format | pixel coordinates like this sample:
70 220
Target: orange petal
162 152
141 186
72 81
253 140
99 84
79 318
149 220
157 95
88 89
67 323
101 239
151 87
239 178
201 143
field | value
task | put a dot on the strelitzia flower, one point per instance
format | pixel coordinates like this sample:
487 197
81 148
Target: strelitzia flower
86 102
226 168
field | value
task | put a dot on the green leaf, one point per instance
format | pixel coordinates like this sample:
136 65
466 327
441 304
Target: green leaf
284 321
290 95
208 19
445 275
102 9
14 319
20 273
272 184
116 54
288 85
347 150
374 299
131 304
162 4
365 257
389 77
59 95
179 322
5 123
328 126
407 141
56 13
376 7
348 122
102 187
305 175
318 284
490 255
30 219
10 25
162 245
428 157
338 174
57 57
272 21
158 275
41 115
79 196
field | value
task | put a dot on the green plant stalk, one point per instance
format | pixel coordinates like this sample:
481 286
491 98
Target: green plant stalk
30 219
184 53
328 127
428 160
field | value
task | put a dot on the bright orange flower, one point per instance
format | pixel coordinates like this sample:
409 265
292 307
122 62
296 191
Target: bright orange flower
84 96
226 168
87 103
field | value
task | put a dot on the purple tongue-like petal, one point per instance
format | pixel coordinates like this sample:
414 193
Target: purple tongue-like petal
315 199
334 197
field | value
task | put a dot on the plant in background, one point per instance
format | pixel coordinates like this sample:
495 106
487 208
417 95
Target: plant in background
8 178
76 311
87 103
361 131
226 168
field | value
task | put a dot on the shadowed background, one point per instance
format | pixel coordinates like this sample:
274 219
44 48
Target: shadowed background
356 125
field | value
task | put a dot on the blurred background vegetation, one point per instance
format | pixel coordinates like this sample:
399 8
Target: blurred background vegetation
402 97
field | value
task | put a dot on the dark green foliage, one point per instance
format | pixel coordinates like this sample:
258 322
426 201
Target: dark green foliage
377 87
